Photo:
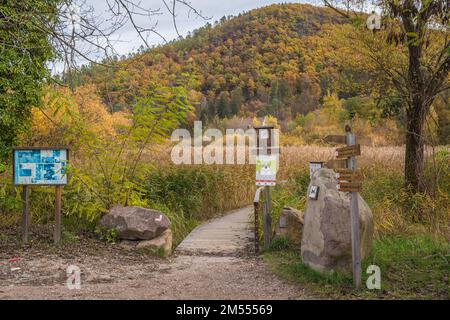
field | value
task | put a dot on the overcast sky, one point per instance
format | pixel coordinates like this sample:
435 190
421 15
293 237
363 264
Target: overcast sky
214 9
127 40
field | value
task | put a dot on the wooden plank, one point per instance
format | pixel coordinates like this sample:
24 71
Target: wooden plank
351 177
344 177
349 185
345 171
336 164
347 148
25 212
347 152
267 225
352 190
57 232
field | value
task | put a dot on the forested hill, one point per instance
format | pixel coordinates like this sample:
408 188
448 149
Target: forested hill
261 62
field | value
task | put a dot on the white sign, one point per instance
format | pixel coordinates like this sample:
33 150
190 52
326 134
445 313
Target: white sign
263 134
266 170
313 192
313 167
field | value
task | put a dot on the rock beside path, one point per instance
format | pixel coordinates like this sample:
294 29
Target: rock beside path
290 226
135 223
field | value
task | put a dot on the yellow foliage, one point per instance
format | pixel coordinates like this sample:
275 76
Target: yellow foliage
256 122
271 121
51 122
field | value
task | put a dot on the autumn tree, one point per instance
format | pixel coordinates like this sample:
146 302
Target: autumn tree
24 50
34 33
420 28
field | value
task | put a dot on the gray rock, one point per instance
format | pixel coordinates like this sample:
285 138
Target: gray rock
135 223
161 244
326 242
290 226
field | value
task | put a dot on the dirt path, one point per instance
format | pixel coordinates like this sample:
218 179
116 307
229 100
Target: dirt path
213 262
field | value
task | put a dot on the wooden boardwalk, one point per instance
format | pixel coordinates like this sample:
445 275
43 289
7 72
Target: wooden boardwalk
226 235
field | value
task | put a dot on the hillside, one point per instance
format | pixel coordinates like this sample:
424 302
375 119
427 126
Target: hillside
260 62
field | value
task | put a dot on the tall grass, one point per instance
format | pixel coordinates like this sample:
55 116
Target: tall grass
190 194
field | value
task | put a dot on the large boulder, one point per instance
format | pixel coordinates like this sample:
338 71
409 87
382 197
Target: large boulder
326 243
290 226
135 223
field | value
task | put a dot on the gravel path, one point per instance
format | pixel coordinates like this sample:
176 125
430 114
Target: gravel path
213 262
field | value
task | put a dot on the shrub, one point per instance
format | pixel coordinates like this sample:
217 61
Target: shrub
200 191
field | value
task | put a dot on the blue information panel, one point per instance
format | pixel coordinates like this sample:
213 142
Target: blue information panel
40 166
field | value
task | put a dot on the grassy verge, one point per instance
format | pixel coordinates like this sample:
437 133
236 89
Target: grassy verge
412 267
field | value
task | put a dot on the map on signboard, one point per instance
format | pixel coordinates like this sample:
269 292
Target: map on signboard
46 167
266 170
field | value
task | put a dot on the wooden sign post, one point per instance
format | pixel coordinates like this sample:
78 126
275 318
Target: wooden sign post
266 166
57 230
25 212
354 209
349 181
45 167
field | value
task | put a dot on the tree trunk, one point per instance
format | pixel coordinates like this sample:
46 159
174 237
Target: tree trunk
417 110
414 156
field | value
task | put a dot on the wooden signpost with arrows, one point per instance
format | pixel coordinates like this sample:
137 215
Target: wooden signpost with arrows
349 180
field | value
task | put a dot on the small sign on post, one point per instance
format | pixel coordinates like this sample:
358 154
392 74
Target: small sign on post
313 167
347 152
45 167
266 172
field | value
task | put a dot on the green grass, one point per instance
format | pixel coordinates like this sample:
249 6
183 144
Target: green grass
412 267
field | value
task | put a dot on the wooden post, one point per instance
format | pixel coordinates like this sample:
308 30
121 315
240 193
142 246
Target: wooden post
354 213
25 212
57 233
267 219
264 147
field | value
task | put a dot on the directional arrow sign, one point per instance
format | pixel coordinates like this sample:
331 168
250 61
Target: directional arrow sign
347 152
346 171
350 186
345 177
348 177
336 164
